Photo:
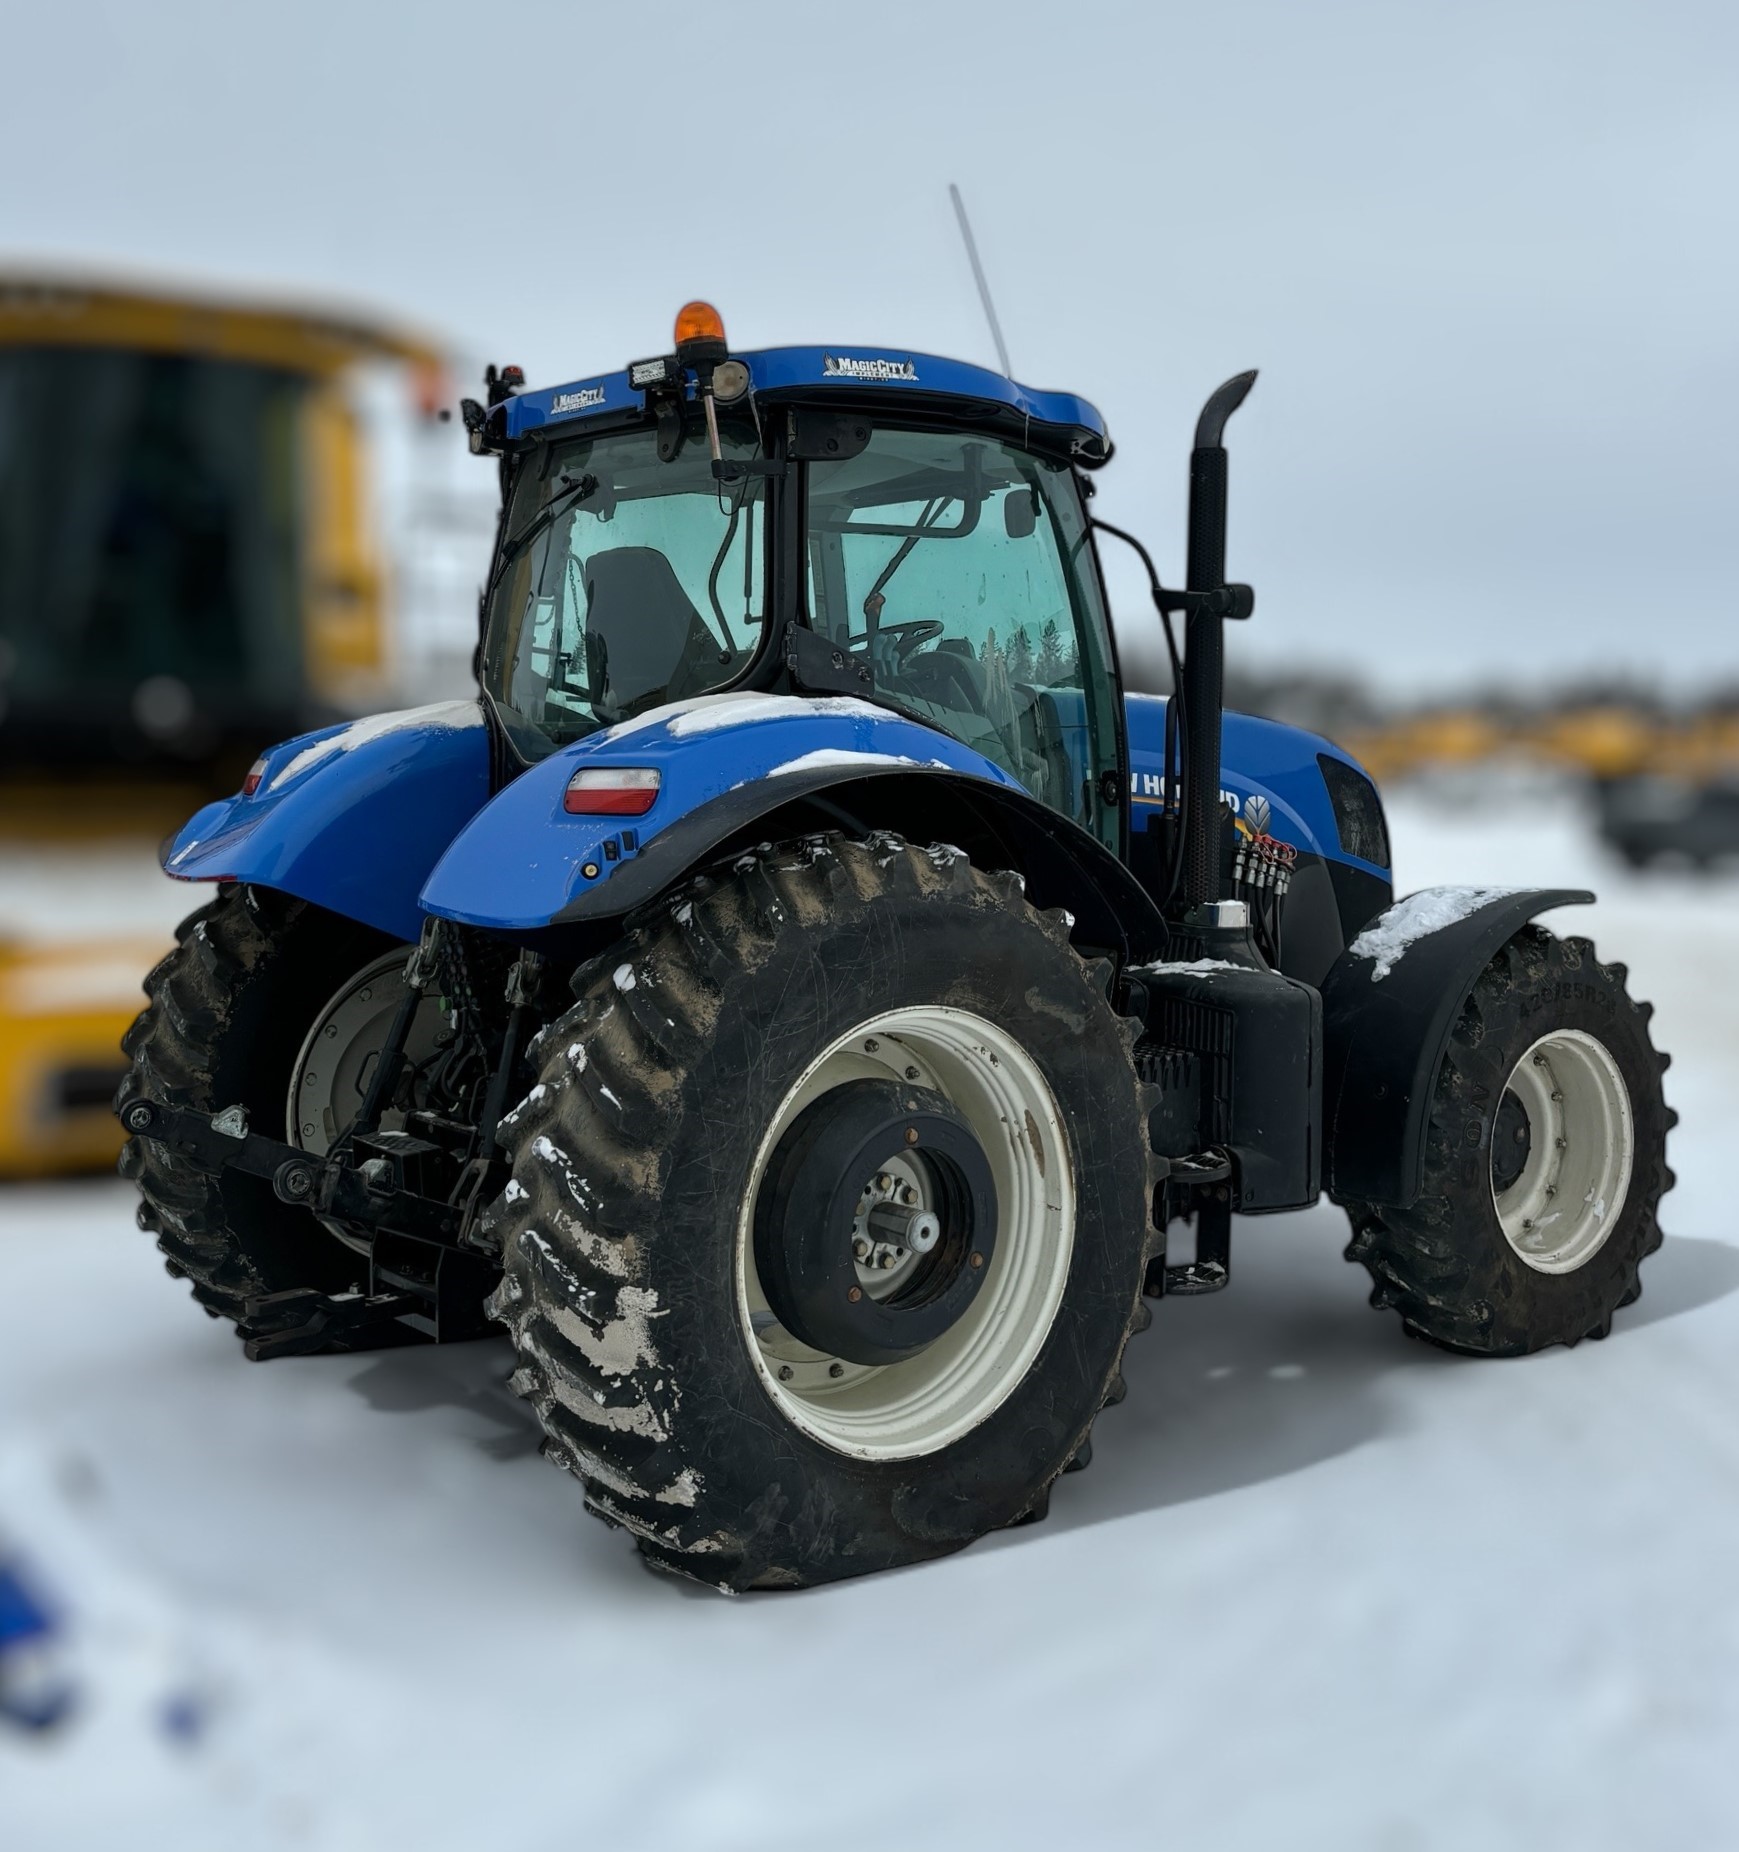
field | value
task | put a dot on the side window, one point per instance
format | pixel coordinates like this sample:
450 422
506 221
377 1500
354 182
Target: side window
958 566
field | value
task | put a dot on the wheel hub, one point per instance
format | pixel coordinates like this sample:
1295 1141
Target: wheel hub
876 1223
940 1392
337 1058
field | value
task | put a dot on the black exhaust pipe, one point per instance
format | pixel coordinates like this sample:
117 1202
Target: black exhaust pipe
1204 669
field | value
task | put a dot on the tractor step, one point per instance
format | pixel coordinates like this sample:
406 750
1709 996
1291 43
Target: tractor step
302 1322
1194 1277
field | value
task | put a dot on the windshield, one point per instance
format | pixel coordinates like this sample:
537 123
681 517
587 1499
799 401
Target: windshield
623 582
150 531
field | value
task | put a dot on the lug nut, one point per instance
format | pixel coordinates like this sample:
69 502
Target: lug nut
836 1370
884 1182
911 1073
860 1249
886 1259
785 1372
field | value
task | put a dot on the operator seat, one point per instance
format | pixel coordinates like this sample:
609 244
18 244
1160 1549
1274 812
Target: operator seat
645 642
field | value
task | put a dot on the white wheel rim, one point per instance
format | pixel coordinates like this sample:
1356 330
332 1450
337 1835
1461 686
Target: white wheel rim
928 1401
1558 1212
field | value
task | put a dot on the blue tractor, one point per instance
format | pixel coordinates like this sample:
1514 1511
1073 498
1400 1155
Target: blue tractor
814 1007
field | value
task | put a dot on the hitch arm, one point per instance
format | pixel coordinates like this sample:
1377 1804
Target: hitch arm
296 1177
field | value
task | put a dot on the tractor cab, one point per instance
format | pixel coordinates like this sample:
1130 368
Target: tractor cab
921 518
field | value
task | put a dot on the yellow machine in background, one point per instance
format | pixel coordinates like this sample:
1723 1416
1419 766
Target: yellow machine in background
1602 741
191 566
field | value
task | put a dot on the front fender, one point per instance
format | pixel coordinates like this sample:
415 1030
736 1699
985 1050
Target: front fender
1389 1006
523 863
352 818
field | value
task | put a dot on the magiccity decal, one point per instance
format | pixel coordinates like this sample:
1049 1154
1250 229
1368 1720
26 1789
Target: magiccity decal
843 366
585 399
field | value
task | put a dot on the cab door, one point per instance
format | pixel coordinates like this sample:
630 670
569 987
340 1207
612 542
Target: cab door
960 566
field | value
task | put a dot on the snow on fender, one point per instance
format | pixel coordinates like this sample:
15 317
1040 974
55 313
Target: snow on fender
1408 921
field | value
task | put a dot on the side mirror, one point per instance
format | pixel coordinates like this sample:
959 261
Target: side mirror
1020 512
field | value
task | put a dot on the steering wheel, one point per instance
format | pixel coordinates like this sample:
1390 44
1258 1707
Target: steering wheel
911 633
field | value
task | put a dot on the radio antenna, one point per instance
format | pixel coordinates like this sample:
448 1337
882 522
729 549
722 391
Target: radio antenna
978 278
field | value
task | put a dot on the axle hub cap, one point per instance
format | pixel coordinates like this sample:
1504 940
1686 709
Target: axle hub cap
876 1223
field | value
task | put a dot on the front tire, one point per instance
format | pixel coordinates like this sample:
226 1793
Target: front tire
675 1095
1545 1162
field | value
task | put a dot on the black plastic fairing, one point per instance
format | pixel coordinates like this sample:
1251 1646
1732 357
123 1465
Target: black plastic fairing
1385 1039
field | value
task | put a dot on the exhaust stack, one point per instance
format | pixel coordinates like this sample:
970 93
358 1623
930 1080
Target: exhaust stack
1204 688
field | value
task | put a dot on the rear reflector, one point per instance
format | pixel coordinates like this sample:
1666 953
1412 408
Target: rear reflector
612 791
251 783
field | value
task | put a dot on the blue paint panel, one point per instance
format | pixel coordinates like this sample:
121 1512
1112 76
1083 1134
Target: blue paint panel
352 818
520 861
1255 756
807 369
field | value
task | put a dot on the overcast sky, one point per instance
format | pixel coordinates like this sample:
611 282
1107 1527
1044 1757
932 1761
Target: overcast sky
1484 254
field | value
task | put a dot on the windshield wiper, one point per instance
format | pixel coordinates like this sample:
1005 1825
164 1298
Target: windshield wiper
581 489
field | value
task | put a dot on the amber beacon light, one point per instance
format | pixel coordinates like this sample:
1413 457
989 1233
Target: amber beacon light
700 333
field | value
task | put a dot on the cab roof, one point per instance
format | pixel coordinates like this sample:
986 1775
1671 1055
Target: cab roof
54 309
858 376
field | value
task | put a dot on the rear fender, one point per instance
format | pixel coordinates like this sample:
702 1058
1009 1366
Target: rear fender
730 764
352 818
1390 1004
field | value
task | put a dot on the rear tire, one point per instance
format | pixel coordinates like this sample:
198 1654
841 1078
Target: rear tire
228 1011
1548 1101
639 1160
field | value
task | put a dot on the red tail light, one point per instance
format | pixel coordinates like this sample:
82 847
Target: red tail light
612 791
251 783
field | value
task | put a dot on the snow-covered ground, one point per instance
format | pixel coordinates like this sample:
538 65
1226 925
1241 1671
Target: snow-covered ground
1320 1587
